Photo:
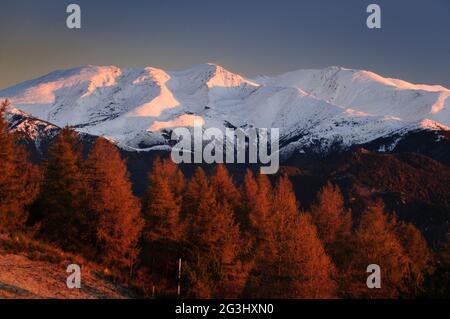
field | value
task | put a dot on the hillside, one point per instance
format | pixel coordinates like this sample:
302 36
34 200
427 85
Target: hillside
39 272
414 186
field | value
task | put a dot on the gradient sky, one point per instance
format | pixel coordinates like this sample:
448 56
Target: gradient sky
250 37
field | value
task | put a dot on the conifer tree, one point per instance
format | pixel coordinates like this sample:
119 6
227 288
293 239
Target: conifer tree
113 206
63 195
419 256
257 204
333 222
19 179
292 262
191 199
214 238
376 243
285 201
164 231
249 191
162 204
260 216
162 212
229 274
226 191
167 169
198 205
202 205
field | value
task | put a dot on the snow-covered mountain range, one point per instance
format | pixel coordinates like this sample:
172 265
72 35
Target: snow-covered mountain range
138 107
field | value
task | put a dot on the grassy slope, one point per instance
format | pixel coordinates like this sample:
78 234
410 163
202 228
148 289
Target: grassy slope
30 269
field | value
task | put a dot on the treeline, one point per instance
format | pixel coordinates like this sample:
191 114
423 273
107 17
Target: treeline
249 240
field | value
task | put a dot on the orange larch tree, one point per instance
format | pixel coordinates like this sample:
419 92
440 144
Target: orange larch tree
114 210
164 231
226 191
249 192
257 206
333 220
291 262
334 226
419 255
162 203
63 197
174 175
19 179
214 243
376 243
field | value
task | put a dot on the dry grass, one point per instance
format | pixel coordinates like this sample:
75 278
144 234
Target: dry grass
33 269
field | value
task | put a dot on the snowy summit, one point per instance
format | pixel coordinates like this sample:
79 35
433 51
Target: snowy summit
136 107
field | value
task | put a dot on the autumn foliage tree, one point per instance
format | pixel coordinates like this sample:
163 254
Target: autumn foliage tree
376 242
249 191
334 227
169 170
333 220
214 241
226 190
19 180
162 203
257 201
114 211
292 262
164 227
265 203
420 258
63 197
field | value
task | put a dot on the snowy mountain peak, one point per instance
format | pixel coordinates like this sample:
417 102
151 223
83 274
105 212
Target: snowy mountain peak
213 76
368 92
135 106
152 74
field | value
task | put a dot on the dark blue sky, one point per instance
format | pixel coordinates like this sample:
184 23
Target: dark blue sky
251 37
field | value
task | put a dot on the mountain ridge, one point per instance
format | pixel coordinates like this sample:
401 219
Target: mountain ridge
137 107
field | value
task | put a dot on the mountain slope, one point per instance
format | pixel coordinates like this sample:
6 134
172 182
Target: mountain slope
314 109
367 92
31 131
413 186
23 278
30 269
